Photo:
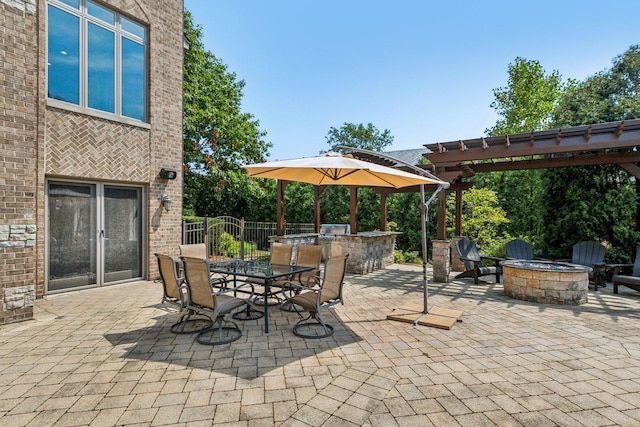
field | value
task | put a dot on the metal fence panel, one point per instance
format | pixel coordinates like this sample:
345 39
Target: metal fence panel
229 237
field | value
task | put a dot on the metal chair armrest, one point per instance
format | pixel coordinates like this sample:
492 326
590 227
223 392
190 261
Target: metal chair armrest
227 290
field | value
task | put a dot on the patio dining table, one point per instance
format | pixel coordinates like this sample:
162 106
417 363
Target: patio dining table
263 270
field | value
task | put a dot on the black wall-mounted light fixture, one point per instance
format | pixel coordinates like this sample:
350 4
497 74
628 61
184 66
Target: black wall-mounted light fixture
166 173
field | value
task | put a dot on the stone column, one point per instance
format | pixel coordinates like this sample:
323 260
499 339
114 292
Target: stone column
441 264
456 263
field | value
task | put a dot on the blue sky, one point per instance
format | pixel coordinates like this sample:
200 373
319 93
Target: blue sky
425 70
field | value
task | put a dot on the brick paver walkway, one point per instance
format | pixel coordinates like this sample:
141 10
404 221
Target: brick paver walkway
106 357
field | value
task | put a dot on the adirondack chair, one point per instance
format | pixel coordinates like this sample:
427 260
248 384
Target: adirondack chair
630 281
519 249
591 255
473 262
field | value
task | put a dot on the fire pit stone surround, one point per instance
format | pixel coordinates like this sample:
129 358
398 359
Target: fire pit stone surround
545 282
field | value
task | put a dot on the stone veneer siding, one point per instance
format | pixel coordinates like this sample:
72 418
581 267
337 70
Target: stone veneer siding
41 140
568 287
440 260
367 251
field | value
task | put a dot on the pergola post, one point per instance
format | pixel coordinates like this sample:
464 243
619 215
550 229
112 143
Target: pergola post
442 215
383 211
353 222
441 251
317 191
281 185
458 226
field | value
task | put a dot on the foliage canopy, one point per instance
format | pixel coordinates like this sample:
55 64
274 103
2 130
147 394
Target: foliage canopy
217 136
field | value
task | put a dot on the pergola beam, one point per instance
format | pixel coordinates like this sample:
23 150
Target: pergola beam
599 142
592 138
632 168
559 162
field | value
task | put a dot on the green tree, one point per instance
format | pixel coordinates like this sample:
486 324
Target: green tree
403 210
298 202
596 202
483 219
524 105
335 200
607 96
359 136
522 196
589 203
217 136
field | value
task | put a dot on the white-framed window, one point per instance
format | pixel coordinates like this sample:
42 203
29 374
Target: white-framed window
96 58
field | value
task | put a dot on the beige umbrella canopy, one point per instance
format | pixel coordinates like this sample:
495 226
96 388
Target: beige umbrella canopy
336 169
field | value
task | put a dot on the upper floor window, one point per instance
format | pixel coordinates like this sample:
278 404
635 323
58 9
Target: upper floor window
96 58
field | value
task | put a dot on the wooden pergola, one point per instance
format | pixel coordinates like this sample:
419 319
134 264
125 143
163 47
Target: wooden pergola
595 144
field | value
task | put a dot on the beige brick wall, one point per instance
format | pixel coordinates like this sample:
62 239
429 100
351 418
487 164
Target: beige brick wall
39 141
18 148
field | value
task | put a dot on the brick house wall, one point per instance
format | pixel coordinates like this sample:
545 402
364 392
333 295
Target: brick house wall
18 157
40 141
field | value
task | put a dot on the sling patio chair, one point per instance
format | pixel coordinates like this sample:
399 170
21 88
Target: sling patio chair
280 254
307 256
631 280
199 250
193 250
212 303
175 293
590 254
473 262
318 294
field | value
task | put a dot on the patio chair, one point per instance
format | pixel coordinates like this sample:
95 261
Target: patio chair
307 256
318 294
175 293
212 303
193 250
519 249
629 280
591 255
473 262
280 254
199 250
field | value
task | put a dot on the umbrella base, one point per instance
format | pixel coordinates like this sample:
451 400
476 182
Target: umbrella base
442 318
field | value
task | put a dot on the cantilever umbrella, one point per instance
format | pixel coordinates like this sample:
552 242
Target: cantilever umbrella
336 169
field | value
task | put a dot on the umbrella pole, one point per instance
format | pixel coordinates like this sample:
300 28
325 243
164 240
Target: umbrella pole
436 317
424 210
425 279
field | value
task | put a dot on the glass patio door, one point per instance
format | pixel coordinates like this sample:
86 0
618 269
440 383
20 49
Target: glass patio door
122 235
94 235
72 236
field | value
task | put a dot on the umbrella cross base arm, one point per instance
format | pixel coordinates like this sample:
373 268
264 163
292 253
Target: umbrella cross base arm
436 317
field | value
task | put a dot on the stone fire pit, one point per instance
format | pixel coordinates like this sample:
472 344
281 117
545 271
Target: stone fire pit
545 281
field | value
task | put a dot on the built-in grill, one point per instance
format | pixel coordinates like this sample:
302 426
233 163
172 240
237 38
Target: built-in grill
335 229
